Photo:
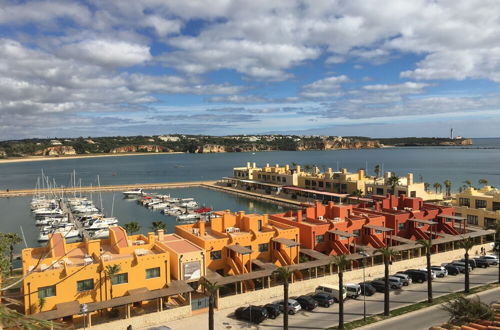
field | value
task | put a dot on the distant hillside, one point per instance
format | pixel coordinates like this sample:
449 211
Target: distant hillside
202 144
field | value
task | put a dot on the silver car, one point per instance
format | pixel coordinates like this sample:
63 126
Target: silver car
440 271
404 277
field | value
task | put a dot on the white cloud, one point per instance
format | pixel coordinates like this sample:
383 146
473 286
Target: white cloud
327 87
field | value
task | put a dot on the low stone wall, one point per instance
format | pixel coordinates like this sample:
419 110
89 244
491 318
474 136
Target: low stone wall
355 276
151 319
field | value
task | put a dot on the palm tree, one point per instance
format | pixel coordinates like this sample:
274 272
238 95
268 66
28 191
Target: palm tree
341 262
307 168
211 289
11 319
132 227
427 185
111 271
377 171
483 182
387 252
12 239
467 244
393 181
468 183
427 244
447 184
436 186
156 225
284 275
357 193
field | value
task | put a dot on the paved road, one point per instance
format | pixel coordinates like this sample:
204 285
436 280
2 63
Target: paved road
322 318
427 317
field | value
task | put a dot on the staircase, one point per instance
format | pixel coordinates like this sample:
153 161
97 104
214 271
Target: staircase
446 228
375 242
419 234
338 248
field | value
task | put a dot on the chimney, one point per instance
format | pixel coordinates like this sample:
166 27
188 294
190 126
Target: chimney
201 227
299 215
254 165
248 164
377 206
151 238
409 178
161 234
387 175
361 174
287 167
343 170
297 168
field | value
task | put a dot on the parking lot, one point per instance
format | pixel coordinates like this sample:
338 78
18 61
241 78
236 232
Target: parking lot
321 317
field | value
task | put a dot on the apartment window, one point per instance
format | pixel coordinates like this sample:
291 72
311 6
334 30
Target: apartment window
343 188
263 247
274 178
283 179
480 204
420 225
308 182
320 184
413 194
378 231
47 291
496 206
336 187
152 272
472 219
489 222
320 238
259 176
120 278
216 255
328 184
401 226
356 232
313 183
85 285
464 202
380 191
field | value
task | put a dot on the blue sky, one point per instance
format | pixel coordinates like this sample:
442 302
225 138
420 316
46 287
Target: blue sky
378 68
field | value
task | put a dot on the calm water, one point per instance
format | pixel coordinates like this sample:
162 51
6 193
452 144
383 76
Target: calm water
433 164
15 211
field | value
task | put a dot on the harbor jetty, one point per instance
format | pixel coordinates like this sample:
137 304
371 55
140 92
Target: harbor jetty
71 190
71 218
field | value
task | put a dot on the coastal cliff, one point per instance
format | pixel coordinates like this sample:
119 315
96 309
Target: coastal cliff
56 151
139 148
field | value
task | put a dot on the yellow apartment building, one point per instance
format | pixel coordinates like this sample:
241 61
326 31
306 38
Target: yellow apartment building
480 207
67 272
340 182
234 242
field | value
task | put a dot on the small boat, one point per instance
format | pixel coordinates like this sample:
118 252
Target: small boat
161 205
47 212
101 233
202 210
67 233
188 217
134 192
190 204
100 223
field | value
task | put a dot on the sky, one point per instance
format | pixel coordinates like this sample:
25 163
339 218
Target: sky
379 68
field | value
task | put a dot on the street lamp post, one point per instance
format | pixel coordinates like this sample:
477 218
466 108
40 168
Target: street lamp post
84 310
363 261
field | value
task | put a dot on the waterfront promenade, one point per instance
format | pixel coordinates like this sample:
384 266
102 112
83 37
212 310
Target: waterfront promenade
124 187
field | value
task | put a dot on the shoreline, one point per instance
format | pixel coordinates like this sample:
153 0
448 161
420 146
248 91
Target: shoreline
44 158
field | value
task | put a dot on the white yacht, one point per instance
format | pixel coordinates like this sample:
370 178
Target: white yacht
188 217
100 223
134 192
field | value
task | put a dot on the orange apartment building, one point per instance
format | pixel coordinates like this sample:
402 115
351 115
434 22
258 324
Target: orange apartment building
335 229
235 242
62 274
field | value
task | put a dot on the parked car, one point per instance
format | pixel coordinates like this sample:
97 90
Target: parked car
331 290
406 279
439 270
461 266
307 302
480 262
323 299
353 290
416 275
273 310
491 259
254 314
293 306
378 285
367 289
472 262
452 270
394 282
433 274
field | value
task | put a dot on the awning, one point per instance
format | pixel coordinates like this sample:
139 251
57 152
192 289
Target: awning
342 233
317 192
239 249
402 240
425 222
377 228
361 199
285 241
453 217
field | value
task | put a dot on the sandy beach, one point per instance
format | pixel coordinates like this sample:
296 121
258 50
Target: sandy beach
43 158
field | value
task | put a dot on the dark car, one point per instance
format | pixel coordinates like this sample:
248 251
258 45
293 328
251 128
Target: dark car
254 314
323 299
416 275
483 263
452 270
273 310
367 289
307 302
378 285
472 262
492 260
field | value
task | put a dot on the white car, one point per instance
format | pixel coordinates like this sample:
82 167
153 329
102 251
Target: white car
433 273
293 306
440 271
353 290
